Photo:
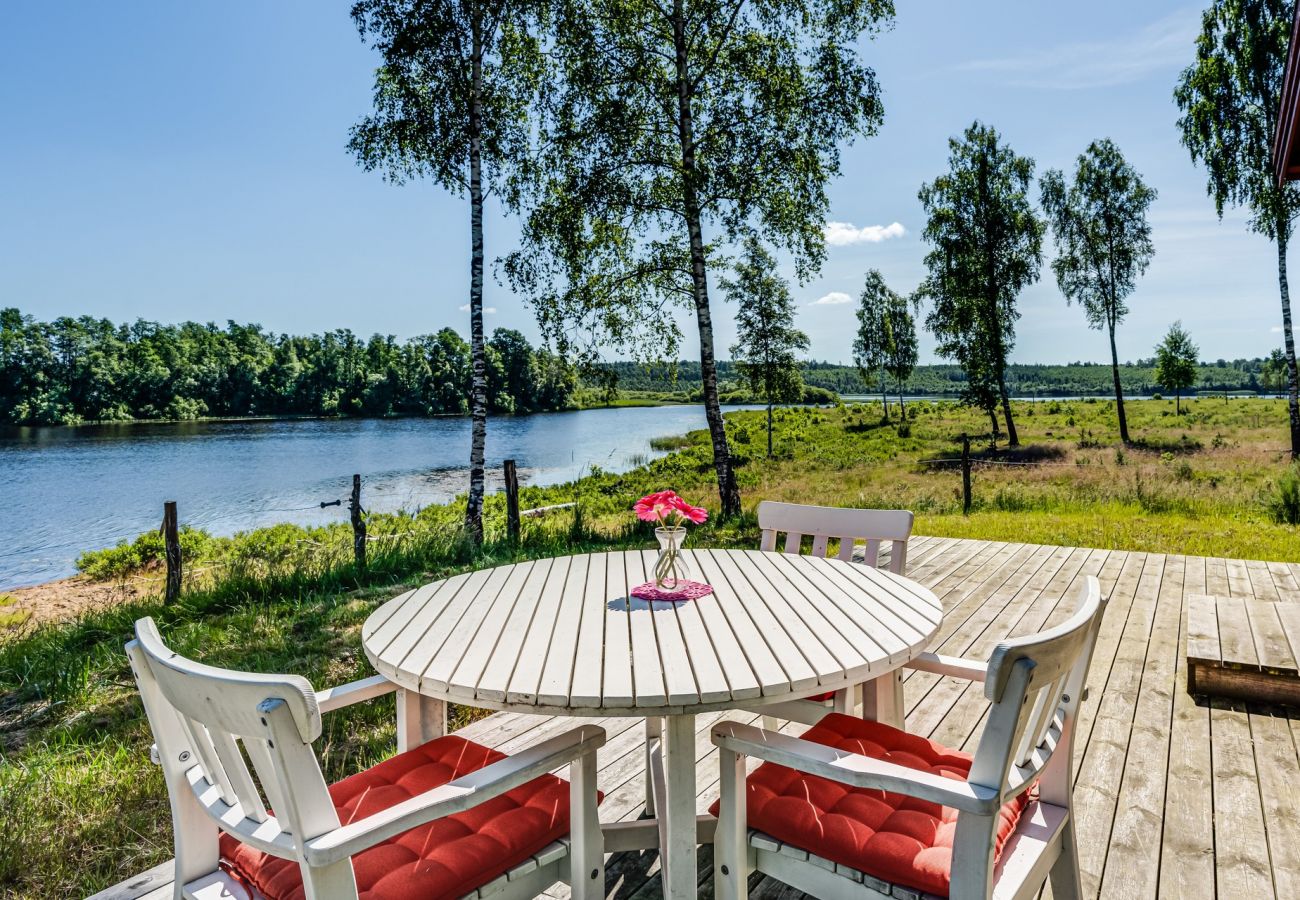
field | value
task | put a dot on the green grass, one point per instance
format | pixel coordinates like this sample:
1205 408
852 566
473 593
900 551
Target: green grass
82 808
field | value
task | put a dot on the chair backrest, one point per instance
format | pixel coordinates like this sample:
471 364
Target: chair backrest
200 716
847 526
1036 684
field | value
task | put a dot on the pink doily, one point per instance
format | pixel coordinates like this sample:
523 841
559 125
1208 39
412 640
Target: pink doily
685 590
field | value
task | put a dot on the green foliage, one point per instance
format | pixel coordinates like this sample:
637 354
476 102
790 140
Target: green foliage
764 355
886 338
76 370
1103 239
1063 380
1176 359
986 247
1231 99
1284 504
145 552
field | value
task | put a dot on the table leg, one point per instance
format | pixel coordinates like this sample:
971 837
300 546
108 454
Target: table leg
420 719
882 699
677 855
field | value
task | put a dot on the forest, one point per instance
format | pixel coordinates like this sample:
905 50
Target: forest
85 369
1023 379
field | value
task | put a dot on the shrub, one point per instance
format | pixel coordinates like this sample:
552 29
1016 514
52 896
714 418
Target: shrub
1156 396
904 430
144 552
1284 505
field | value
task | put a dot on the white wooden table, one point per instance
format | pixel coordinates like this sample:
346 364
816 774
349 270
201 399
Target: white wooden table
561 637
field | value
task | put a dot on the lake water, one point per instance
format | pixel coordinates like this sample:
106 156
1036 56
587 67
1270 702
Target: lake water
74 489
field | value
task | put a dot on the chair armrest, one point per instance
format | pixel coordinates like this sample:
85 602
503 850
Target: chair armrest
343 695
953 666
854 769
455 796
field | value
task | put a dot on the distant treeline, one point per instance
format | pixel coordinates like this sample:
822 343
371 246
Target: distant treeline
1067 380
87 369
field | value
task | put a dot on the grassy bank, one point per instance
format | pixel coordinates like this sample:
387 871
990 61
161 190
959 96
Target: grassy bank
82 808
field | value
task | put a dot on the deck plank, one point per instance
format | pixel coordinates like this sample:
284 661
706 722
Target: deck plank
1187 848
1133 858
1241 863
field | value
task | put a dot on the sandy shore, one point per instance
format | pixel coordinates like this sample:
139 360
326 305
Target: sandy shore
67 598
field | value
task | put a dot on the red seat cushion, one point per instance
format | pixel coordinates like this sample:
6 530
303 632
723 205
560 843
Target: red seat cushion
896 838
446 858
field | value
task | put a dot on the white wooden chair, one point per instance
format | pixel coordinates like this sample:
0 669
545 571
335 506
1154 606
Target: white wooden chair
881 698
201 715
873 527
1035 684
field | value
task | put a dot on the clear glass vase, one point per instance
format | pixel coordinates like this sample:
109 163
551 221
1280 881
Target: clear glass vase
671 569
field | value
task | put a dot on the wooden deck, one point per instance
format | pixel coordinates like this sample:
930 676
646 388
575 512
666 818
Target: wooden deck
1176 799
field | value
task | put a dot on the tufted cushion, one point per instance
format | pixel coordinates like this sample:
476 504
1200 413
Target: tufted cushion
449 857
896 838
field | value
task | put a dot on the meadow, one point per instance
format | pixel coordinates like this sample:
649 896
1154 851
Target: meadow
83 808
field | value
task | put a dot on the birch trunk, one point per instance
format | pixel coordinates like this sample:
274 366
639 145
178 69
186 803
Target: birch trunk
478 355
1288 336
728 491
1119 389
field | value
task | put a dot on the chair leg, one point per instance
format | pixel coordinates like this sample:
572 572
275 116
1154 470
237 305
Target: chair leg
332 882
882 699
653 731
730 840
587 845
1066 882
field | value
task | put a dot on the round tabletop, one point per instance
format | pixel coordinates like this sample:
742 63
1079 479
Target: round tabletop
562 636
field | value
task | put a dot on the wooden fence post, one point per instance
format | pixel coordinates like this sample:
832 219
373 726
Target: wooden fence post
965 474
358 524
172 545
512 500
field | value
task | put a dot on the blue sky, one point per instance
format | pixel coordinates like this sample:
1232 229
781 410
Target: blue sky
187 160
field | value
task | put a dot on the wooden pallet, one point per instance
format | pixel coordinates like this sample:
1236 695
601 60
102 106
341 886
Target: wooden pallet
1243 649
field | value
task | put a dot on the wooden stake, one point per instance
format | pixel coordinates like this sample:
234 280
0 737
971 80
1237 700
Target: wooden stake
512 500
965 474
172 543
358 524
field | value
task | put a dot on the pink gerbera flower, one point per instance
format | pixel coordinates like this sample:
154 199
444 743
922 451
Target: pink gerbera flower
668 509
653 507
696 514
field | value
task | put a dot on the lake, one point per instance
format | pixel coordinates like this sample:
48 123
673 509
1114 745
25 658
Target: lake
72 489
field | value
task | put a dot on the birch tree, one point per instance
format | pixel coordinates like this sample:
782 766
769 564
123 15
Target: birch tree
1103 241
452 93
765 352
1231 97
673 129
986 247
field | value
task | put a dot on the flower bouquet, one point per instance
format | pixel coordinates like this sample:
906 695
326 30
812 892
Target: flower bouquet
672 513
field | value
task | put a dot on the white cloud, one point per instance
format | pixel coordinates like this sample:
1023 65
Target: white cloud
834 298
1162 46
487 310
1276 329
842 234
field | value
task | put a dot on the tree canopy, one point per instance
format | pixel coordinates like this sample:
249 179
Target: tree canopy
764 355
1176 362
671 131
986 247
885 343
1103 240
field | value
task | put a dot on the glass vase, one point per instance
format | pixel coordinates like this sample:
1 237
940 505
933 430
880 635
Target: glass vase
671 569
